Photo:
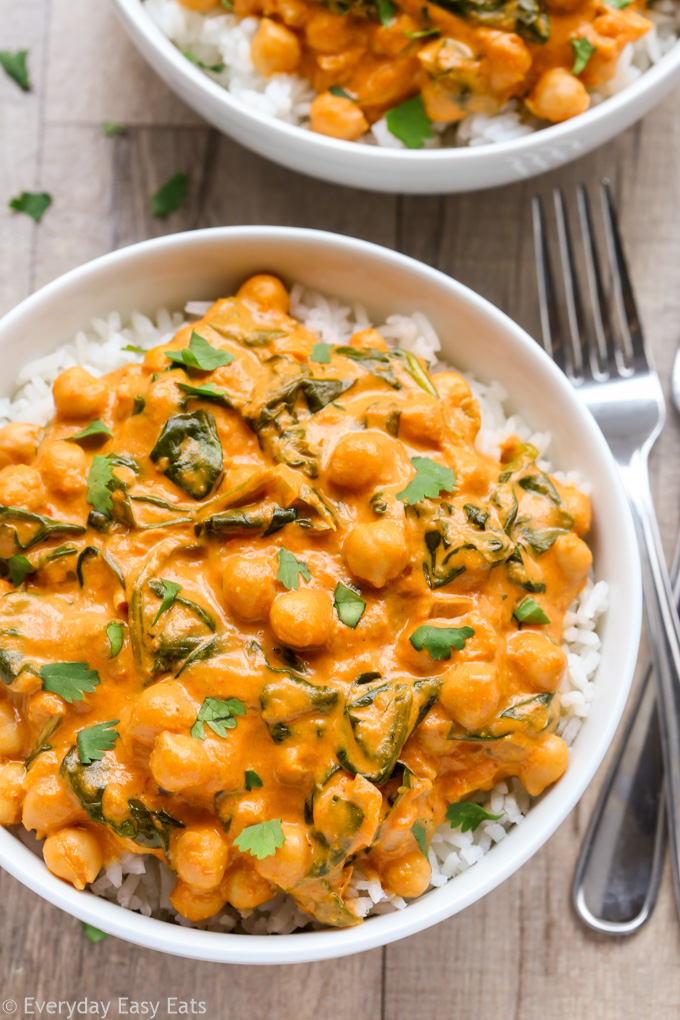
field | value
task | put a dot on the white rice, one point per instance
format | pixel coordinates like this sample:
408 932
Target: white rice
221 39
142 883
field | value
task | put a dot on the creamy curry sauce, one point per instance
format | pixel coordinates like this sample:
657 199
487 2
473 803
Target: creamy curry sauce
365 58
312 481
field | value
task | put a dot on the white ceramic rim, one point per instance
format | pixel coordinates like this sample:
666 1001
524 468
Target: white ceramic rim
663 70
546 815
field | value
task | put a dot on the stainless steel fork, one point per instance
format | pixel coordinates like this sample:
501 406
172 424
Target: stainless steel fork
604 356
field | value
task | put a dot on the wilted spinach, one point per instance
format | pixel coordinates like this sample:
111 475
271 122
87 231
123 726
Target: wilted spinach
188 451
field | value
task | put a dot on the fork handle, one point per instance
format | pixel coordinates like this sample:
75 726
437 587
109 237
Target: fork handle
663 629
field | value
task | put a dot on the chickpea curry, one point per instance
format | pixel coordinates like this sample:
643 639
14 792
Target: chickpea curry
267 611
418 61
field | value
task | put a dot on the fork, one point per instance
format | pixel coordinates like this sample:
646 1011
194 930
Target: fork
606 360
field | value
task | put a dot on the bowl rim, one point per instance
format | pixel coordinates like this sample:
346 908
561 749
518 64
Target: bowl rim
546 815
132 10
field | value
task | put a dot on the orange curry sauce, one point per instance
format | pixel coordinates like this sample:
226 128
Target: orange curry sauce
308 536
366 57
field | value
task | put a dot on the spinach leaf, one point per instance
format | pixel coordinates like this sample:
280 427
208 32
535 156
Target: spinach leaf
374 361
583 51
168 591
189 453
410 123
45 527
526 17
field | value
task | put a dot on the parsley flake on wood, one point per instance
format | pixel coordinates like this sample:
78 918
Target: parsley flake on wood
289 570
529 611
95 428
170 592
112 130
583 51
34 204
438 641
431 479
200 354
92 933
19 567
321 352
96 740
215 68
348 604
409 123
253 781
219 716
468 816
70 680
261 840
14 66
116 634
170 196
418 830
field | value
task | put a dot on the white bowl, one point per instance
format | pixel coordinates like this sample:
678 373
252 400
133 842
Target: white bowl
207 264
422 171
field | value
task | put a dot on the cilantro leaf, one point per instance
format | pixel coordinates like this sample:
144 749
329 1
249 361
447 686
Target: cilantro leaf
428 31
348 604
409 123
101 482
418 830
321 353
583 51
468 816
337 90
14 66
438 641
95 428
200 354
19 567
70 680
96 740
92 933
290 567
219 715
207 392
170 196
215 68
386 11
135 350
170 592
115 632
34 204
431 479
261 840
253 781
111 130
529 611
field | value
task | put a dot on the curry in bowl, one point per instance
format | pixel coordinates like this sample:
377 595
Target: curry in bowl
270 615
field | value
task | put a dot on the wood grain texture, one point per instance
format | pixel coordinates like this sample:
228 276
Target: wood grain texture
520 953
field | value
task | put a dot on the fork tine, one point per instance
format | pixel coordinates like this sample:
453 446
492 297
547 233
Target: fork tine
604 338
580 347
553 341
623 289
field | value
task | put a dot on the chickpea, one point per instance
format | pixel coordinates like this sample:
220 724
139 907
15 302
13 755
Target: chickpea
18 443
439 105
546 763
337 117
178 762
407 876
367 339
377 552
196 904
557 96
48 806
360 459
578 505
11 792
155 360
199 5
509 61
248 586
422 420
74 855
130 385
292 861
540 662
327 32
21 486
303 618
64 467
165 706
200 855
292 12
573 556
456 395
11 738
77 394
266 291
470 693
275 49
245 889
42 706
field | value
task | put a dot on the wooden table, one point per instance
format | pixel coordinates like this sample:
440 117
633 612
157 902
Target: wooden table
520 953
